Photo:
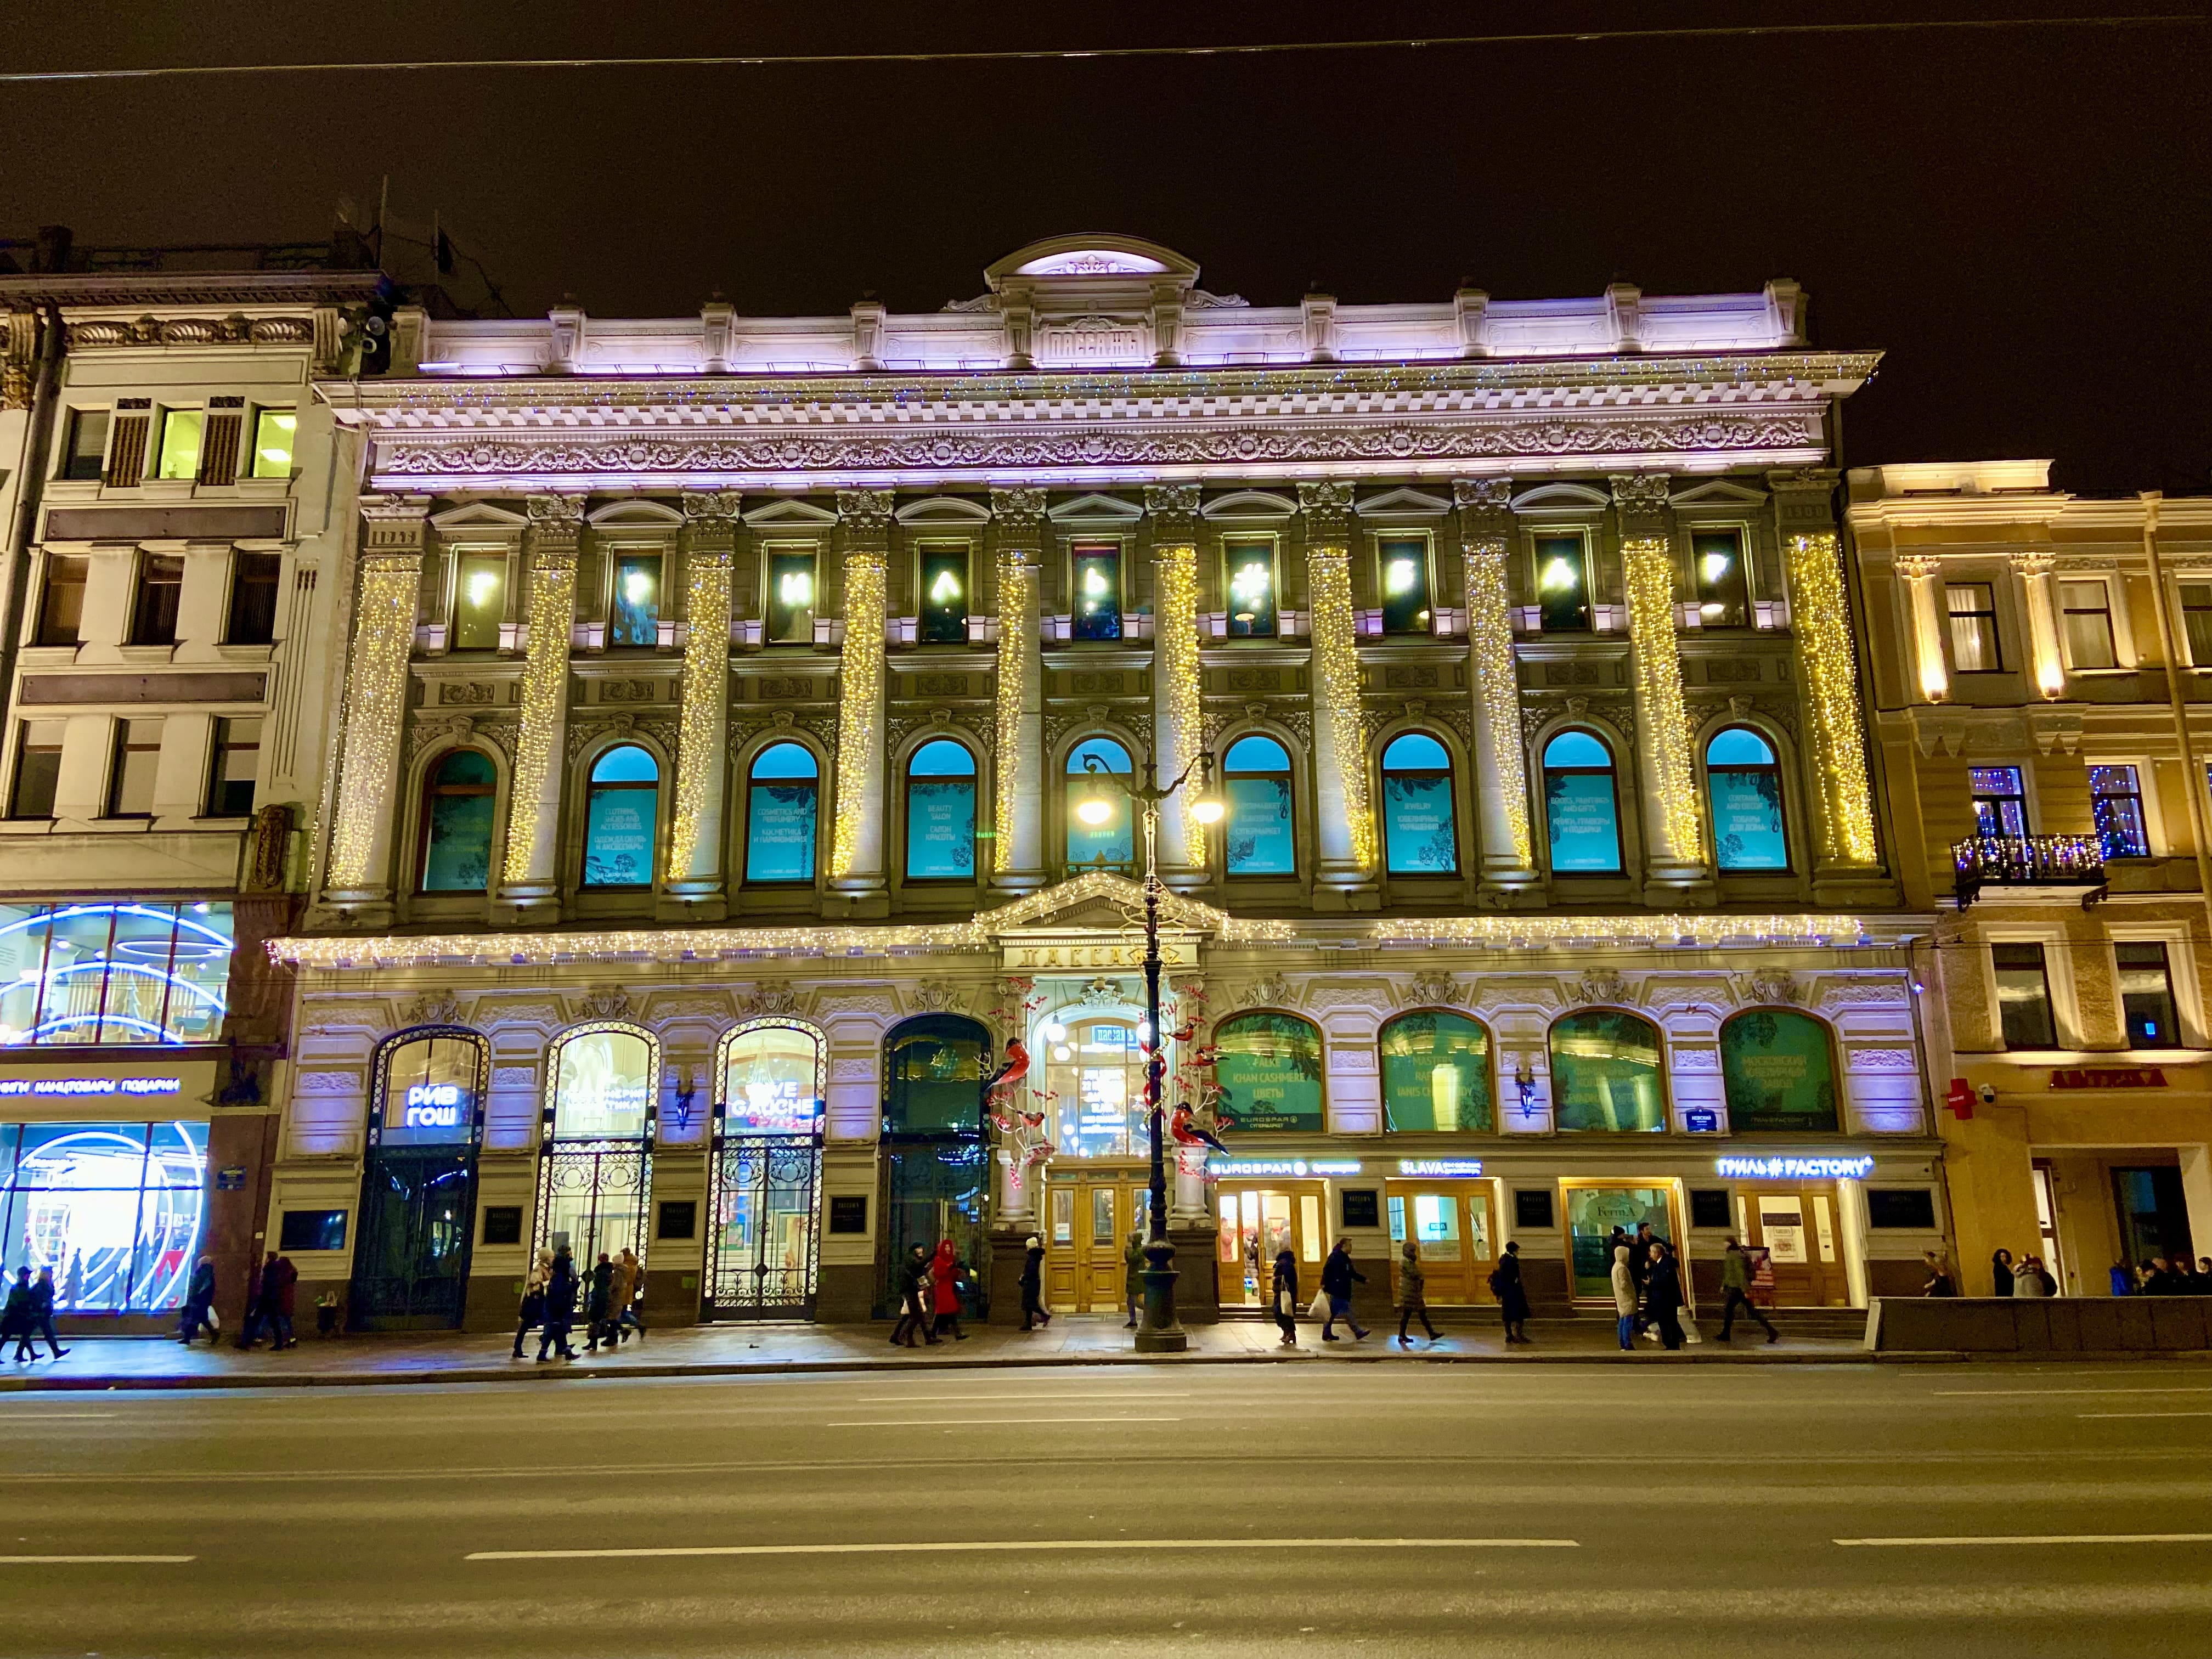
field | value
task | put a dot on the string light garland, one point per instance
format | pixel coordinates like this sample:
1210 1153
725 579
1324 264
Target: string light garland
699 728
1821 619
1497 683
860 706
1175 660
544 701
1336 673
383 641
1649 565
1018 583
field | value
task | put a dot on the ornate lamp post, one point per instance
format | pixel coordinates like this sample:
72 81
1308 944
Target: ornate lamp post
1161 1332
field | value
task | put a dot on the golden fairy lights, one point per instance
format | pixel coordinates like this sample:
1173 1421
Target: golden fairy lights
1821 619
383 639
1018 581
860 707
1699 929
1648 563
1176 662
544 701
1336 672
706 669
1490 642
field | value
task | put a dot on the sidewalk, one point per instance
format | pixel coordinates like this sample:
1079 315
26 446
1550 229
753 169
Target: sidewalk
770 1350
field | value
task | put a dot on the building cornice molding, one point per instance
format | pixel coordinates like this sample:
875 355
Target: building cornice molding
76 293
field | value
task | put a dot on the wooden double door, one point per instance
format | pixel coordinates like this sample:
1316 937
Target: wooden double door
1089 1216
1452 1224
1797 1227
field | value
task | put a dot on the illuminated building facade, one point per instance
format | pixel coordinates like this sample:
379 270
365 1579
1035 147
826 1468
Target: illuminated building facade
718 692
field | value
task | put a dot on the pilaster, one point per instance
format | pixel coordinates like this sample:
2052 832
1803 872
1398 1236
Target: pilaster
2034 567
1018 847
1344 819
1674 821
1501 770
1177 728
530 879
694 888
858 885
1920 573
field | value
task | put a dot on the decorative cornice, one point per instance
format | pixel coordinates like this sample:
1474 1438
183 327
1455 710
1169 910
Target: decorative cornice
121 289
233 330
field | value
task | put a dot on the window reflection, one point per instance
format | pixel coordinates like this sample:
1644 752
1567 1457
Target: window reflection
114 973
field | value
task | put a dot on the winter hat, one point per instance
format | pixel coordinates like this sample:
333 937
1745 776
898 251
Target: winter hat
1031 1242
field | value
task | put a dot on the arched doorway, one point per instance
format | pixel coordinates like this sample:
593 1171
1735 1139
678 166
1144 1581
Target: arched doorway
766 1172
418 1194
937 1172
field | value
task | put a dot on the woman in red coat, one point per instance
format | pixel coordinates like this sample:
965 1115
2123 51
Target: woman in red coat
944 1291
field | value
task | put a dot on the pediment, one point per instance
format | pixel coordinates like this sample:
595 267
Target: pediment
634 515
1095 509
478 515
1717 492
944 510
790 514
1403 504
1561 494
1249 507
1104 902
1081 256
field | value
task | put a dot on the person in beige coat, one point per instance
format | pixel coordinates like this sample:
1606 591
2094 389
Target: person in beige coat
1624 1296
1413 1295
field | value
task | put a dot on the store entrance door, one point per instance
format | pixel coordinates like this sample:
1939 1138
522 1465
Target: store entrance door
1450 1222
1257 1223
2153 1212
1089 1221
1796 1227
411 1269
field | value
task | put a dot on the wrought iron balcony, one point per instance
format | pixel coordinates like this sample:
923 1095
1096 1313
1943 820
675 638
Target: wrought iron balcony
2025 861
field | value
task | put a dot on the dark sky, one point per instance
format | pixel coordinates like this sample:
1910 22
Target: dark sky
2020 219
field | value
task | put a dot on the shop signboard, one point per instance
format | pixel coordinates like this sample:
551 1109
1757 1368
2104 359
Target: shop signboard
1848 1167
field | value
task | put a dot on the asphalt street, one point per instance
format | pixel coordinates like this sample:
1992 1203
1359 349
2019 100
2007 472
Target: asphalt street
1953 1510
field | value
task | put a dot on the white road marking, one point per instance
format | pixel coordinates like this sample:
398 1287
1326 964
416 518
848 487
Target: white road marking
969 1422
2036 1393
945 1547
2090 1415
990 1399
2046 1537
93 1560
14 1418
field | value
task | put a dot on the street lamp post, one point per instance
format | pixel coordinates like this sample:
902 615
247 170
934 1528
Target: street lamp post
1162 1332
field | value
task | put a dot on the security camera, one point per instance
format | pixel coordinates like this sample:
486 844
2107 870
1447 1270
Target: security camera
1987 1094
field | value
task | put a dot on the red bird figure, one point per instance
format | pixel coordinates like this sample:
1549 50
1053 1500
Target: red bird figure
1185 1129
1017 1067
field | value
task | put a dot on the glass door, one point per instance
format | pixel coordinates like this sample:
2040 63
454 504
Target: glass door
766 1193
1257 1225
1450 1225
1601 1215
411 1270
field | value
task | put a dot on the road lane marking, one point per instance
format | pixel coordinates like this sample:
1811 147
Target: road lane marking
989 1545
969 1422
2046 1537
13 1418
93 1560
2088 1416
990 1399
2036 1393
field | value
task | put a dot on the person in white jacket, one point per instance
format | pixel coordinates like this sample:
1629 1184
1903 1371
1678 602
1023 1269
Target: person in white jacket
1624 1296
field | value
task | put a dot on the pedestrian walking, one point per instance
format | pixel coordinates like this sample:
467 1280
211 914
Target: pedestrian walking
1132 1275
1512 1297
627 1316
621 1284
531 1312
597 1293
15 1319
1940 1282
1412 1294
278 1280
249 1333
1639 1268
914 1311
1662 1294
1033 1308
560 1305
1735 1292
42 1309
1624 1297
2002 1277
1338 1276
944 1291
1286 1297
2029 1279
199 1305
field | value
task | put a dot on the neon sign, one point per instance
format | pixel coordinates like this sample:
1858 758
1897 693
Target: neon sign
1440 1168
1795 1168
774 1107
91 1086
432 1106
1234 1169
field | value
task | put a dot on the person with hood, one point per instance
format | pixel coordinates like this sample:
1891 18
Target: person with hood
1033 1309
913 1312
2028 1278
1735 1292
944 1291
1413 1297
15 1319
531 1313
598 1293
199 1305
278 1280
1662 1293
1624 1297
627 1316
249 1333
42 1309
1512 1296
622 1286
2002 1275
1132 1275
1286 1297
560 1305
1337 1277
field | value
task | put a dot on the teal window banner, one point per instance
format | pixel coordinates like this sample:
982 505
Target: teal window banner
1269 1070
459 857
1606 1071
1580 808
1779 1071
1748 832
1259 837
779 831
940 829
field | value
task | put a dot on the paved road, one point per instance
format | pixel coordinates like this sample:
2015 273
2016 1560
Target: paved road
1474 1509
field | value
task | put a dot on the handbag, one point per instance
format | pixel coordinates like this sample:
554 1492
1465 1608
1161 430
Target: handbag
215 1321
1319 1307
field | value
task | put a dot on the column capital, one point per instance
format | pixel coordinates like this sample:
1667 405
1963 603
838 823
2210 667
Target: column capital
1173 510
864 516
1485 506
1641 499
705 507
1327 508
2034 562
1917 567
398 511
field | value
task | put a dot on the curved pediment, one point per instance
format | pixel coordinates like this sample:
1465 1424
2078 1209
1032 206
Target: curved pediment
1081 255
1103 901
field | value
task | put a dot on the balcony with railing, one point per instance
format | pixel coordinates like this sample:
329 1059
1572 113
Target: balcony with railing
2020 864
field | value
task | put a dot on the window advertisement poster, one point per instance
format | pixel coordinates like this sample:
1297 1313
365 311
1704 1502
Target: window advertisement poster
1596 1215
430 1092
603 1087
1090 845
459 857
1777 1068
779 831
1605 1073
116 1210
1585 828
1417 809
1269 1070
940 829
771 1084
1435 1074
1747 818
618 838
1259 836
1782 1228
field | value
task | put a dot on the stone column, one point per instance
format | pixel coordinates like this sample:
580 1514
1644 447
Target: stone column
530 879
1673 817
1499 758
694 888
1178 727
1018 864
357 880
1344 820
2033 568
858 887
1920 573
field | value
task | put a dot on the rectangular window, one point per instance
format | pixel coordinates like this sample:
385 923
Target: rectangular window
1974 615
1250 567
791 596
128 972
253 579
38 770
237 762
1096 610
313 1230
635 617
160 585
179 453
1900 1206
1999 800
1716 570
2023 997
127 445
1404 565
2116 806
85 456
122 1207
2146 995
273 433
945 595
2085 611
61 608
1563 584
137 757
2197 622
479 601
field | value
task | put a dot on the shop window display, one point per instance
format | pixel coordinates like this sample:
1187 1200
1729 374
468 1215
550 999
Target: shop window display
116 1210
1606 1073
1778 1068
1435 1074
114 973
1270 1072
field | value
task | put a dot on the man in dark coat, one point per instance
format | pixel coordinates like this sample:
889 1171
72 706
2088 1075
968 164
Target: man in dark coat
913 1317
249 1331
1662 1294
596 1300
278 1278
1337 1277
560 1305
1033 1309
42 1309
1512 1297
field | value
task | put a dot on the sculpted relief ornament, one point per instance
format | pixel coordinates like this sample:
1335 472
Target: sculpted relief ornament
1601 985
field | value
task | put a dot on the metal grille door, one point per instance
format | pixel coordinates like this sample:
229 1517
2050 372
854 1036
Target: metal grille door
766 1202
590 1196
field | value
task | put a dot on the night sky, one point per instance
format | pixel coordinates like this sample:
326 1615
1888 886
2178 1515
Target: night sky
2019 219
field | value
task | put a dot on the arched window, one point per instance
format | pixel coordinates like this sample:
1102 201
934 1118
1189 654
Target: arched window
1581 807
1111 844
1745 785
428 1088
1435 1073
940 813
620 810
934 1076
1420 835
596 1166
1606 1067
602 1083
1255 782
765 1172
782 795
459 803
772 1080
1269 1070
1778 1067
